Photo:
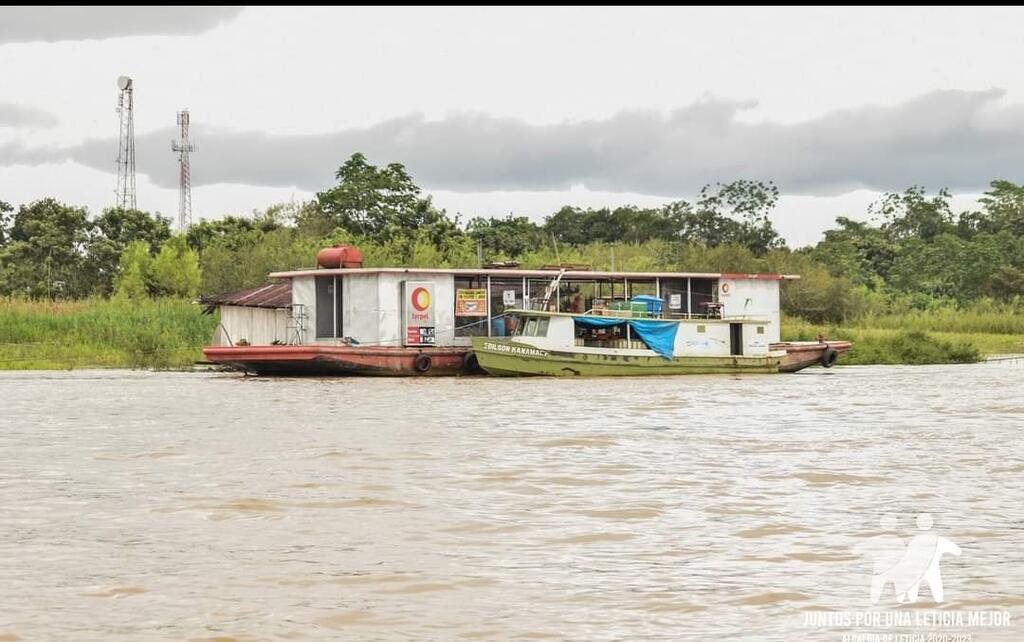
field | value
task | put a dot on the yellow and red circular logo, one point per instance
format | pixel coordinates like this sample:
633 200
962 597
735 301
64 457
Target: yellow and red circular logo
420 299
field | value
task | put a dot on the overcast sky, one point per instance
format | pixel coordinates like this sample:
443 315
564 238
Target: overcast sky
517 109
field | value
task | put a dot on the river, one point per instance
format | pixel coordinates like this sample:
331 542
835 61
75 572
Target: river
181 506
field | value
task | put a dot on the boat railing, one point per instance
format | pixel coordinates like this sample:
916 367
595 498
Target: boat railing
625 314
536 305
298 319
617 344
712 310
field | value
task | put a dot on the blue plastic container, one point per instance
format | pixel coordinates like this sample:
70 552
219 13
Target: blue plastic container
654 304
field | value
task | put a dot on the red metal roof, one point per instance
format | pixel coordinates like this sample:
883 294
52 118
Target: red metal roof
273 295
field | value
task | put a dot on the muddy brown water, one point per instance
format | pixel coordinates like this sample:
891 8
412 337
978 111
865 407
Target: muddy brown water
199 506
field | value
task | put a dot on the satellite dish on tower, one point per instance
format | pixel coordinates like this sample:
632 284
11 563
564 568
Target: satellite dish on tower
124 82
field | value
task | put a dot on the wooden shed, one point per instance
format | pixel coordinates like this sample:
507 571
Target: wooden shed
257 316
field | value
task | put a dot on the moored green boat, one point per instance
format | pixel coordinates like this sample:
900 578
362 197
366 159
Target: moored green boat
619 343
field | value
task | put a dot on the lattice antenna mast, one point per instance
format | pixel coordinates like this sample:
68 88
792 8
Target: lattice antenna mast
126 144
184 147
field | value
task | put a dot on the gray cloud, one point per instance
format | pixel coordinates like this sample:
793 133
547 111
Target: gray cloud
12 115
27 24
956 139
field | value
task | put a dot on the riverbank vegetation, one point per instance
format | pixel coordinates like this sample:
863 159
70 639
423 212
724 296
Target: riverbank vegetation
910 280
97 332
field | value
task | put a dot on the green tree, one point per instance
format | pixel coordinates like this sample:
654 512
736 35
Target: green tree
127 226
629 224
911 214
858 251
369 201
176 270
704 226
5 221
749 204
571 225
135 273
114 231
1004 208
930 268
508 237
233 231
45 253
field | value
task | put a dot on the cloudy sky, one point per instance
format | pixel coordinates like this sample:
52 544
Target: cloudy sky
517 109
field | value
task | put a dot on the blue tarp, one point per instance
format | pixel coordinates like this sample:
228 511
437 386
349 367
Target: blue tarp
659 336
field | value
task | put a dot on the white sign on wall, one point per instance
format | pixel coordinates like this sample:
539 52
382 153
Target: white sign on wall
508 297
418 317
675 302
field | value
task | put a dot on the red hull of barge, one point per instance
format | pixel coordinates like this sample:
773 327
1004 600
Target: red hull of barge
299 360
802 354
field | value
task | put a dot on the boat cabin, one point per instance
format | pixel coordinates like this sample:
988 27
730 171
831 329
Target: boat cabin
638 335
348 304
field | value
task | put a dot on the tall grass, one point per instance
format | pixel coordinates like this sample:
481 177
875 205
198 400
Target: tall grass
974 320
914 338
158 333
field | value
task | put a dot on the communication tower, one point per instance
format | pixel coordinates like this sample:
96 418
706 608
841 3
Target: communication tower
126 145
183 147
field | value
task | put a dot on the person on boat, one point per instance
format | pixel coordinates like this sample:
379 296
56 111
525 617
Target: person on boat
577 304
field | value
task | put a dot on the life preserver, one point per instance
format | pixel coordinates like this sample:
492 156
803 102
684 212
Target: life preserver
828 358
724 288
422 362
470 363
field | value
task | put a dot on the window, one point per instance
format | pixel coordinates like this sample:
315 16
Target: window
702 292
673 292
471 306
534 327
506 294
636 288
701 328
536 289
760 329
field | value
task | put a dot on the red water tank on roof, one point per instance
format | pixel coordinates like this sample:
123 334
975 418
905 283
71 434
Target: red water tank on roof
340 256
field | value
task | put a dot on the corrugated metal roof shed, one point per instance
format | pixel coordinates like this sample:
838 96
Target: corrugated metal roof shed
273 295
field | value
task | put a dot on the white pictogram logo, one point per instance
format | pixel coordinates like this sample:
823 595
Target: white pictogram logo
907 564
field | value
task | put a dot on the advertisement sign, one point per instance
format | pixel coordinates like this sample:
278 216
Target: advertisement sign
470 303
675 301
418 314
508 297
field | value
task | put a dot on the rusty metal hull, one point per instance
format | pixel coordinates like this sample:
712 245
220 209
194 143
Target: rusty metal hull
327 360
803 354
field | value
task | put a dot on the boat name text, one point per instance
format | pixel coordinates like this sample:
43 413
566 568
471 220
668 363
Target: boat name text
512 349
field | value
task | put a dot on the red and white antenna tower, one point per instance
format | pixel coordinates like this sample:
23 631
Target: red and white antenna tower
183 147
126 145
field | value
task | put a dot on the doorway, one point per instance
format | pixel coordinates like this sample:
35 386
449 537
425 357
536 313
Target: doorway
736 338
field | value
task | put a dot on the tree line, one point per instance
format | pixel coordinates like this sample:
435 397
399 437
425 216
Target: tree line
913 251
52 250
